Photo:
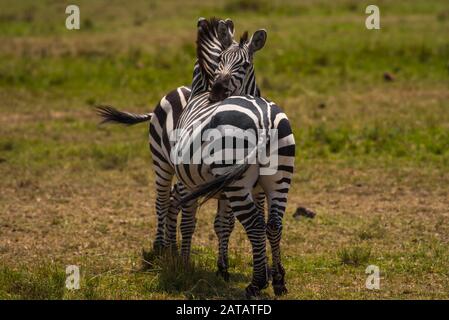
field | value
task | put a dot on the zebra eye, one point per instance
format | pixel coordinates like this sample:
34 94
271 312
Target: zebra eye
245 65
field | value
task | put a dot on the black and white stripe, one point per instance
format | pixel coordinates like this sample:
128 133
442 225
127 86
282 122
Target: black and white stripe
236 183
163 121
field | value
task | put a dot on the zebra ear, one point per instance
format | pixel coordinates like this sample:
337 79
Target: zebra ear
230 25
257 41
202 22
224 34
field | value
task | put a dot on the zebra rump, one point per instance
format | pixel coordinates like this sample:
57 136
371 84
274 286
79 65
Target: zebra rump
210 189
110 114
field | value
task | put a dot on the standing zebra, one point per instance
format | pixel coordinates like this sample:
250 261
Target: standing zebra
236 182
162 122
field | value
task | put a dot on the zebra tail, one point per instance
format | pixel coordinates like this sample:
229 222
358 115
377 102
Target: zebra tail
110 114
216 186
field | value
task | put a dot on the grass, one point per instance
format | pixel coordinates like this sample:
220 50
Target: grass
45 282
372 158
355 256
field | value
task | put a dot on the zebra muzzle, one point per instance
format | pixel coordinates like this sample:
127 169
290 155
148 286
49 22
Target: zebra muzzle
220 90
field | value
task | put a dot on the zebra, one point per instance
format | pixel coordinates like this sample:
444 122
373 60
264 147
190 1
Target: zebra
162 121
166 234
222 106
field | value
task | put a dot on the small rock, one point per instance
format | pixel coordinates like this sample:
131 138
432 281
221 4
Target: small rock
301 211
322 105
389 76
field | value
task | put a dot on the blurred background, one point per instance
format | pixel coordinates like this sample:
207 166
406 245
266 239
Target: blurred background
369 110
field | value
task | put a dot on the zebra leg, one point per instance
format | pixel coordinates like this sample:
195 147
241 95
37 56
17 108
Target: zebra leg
163 192
259 201
245 211
188 223
223 226
172 218
274 235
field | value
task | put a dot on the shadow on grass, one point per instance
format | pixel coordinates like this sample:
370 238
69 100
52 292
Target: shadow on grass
195 280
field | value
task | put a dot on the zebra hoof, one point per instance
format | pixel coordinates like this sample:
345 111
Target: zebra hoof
252 292
280 290
269 274
224 274
278 283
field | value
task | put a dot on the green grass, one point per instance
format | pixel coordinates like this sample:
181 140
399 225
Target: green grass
372 155
355 256
44 282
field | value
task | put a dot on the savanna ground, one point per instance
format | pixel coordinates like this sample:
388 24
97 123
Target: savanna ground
372 154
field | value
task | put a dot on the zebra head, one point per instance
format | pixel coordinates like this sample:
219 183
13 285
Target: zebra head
209 48
209 45
234 74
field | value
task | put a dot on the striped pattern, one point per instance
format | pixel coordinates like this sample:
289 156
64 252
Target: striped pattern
167 114
163 121
238 197
235 183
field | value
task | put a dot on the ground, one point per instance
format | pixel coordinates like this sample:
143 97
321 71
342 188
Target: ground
369 109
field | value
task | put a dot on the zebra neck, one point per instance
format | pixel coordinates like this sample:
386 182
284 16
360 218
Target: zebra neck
198 107
200 83
249 85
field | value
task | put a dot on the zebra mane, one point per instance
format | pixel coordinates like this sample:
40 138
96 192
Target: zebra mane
243 39
208 47
208 52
